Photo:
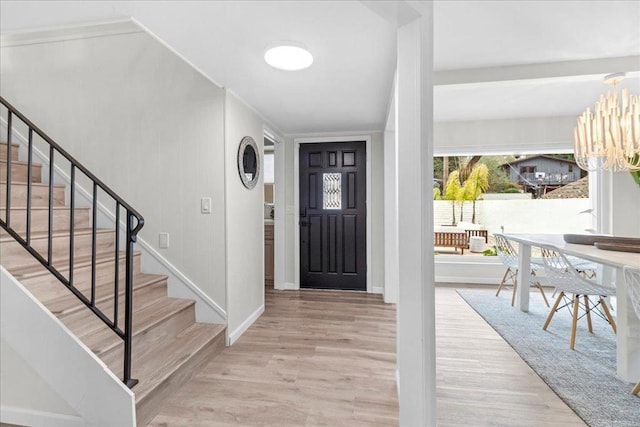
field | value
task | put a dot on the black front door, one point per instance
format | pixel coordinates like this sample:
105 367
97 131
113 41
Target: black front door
333 212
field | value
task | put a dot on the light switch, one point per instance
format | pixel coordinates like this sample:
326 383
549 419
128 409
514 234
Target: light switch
163 240
205 205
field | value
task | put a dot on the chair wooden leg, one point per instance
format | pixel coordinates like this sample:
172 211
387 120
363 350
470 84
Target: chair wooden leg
553 311
504 279
588 311
513 296
607 313
574 323
544 297
636 389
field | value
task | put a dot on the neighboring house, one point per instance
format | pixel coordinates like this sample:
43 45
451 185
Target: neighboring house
540 174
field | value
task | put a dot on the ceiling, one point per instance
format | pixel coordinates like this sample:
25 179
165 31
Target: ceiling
493 60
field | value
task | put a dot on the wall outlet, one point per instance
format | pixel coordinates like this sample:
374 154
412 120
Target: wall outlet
205 205
163 240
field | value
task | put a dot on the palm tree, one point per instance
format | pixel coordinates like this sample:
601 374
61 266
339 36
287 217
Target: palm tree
475 185
452 192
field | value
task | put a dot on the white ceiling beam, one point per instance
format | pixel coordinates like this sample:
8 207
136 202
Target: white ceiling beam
592 69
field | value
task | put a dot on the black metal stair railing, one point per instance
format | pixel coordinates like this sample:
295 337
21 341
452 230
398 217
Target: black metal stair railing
134 222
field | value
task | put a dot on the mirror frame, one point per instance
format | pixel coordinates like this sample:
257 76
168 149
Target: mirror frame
246 142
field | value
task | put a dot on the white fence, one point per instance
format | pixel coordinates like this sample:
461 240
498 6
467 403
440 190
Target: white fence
521 216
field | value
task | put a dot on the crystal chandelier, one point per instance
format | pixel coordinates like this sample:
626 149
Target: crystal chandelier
609 138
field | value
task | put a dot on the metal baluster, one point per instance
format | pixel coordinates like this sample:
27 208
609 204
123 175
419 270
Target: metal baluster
7 206
50 237
128 316
29 180
117 267
93 244
72 222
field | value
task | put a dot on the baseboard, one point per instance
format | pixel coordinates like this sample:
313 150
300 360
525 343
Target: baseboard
179 285
31 417
233 336
287 286
377 290
472 280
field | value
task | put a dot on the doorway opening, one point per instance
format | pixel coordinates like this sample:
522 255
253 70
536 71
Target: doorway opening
269 211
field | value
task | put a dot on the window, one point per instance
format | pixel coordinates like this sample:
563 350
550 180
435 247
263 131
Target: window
527 169
332 191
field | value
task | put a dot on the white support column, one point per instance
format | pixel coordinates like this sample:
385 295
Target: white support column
414 138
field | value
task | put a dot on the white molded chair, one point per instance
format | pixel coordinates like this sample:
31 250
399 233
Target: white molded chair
632 279
569 281
509 258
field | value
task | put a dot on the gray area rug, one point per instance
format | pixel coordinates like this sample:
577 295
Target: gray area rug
584 378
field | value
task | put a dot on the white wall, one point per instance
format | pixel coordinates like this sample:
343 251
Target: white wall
244 223
509 136
22 387
144 122
522 216
42 349
269 167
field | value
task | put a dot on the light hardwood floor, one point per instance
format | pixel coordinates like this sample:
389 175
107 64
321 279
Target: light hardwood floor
327 358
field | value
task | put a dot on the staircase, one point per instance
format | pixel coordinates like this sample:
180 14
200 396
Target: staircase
168 346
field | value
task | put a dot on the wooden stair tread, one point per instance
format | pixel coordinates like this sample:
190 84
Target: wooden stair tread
84 324
5 237
144 318
68 304
33 184
159 366
21 163
30 271
44 208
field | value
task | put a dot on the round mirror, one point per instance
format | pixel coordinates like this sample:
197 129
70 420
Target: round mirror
248 162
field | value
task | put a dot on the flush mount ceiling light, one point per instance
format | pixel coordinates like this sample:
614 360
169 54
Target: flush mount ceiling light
289 57
609 138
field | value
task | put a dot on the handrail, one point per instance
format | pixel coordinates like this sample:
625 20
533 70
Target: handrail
134 222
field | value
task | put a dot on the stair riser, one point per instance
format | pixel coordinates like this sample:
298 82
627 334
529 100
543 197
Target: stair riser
46 287
40 219
150 406
152 340
15 149
19 172
14 255
39 195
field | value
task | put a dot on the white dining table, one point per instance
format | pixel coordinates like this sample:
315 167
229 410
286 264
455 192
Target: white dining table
628 324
